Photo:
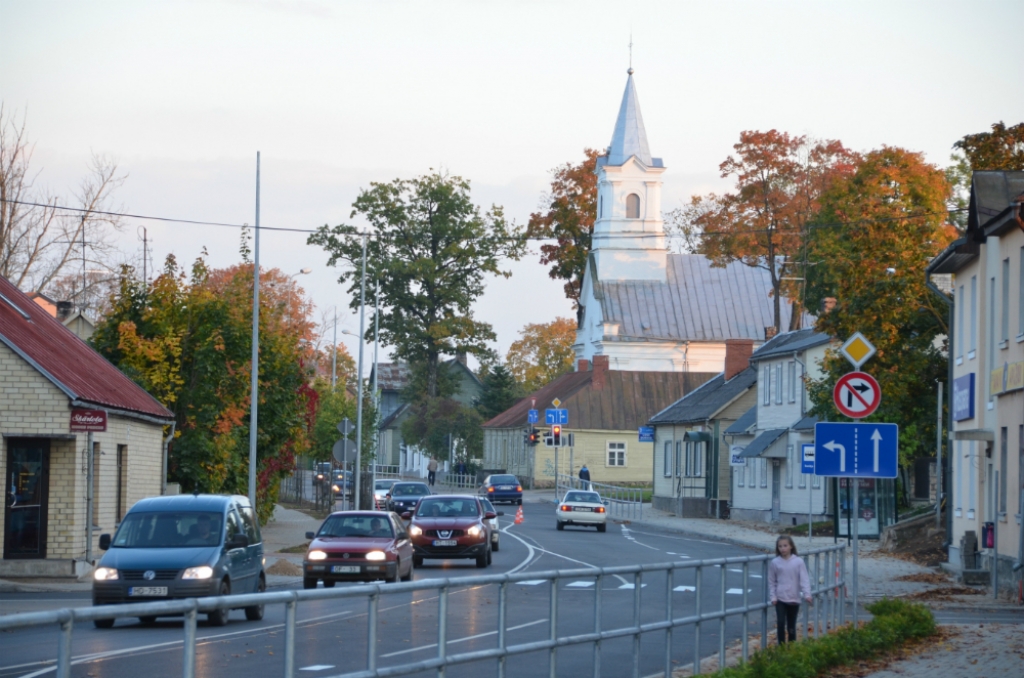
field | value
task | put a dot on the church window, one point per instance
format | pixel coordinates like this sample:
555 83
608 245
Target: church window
632 206
600 206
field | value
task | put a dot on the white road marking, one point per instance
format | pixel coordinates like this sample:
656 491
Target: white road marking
462 640
685 588
552 553
737 591
579 585
531 582
317 667
631 586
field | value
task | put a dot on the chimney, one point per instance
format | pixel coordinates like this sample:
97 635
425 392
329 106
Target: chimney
461 356
737 356
600 370
829 304
582 365
64 310
770 332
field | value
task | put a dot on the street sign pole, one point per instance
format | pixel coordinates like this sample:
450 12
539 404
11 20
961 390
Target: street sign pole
856 544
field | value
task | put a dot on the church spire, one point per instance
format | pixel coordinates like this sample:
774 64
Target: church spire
629 138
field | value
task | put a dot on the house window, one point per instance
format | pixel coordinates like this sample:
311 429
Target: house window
600 206
679 457
960 303
96 455
693 459
767 379
688 470
764 473
616 454
800 463
959 498
698 459
752 465
991 326
1006 300
122 480
974 317
790 463
972 466
1004 442
740 472
778 384
792 381
815 481
668 459
632 206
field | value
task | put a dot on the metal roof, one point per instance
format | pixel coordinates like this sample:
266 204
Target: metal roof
745 424
707 400
391 376
762 442
697 302
958 254
68 362
629 138
992 192
625 402
790 342
805 424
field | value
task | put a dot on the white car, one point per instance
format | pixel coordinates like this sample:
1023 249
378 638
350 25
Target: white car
581 507
381 488
493 523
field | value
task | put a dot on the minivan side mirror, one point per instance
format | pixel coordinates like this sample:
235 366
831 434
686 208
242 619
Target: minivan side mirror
310 535
104 542
239 541
490 515
407 515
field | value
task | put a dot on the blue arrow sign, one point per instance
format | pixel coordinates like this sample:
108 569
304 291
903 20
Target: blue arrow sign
531 417
856 450
552 416
646 434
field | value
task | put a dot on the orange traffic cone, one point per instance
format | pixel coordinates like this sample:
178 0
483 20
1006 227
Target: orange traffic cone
519 516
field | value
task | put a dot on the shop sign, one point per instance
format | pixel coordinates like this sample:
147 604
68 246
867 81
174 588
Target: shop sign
1009 377
963 397
94 421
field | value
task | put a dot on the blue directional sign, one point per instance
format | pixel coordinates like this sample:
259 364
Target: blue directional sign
556 416
856 450
807 458
646 434
531 417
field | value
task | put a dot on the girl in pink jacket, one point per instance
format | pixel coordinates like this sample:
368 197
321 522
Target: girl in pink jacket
788 582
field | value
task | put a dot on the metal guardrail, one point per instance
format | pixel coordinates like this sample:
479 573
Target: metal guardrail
387 472
466 481
827 570
622 502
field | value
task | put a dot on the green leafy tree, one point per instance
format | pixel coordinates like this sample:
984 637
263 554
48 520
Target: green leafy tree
569 220
188 339
542 353
500 391
333 406
434 422
878 230
430 248
1000 149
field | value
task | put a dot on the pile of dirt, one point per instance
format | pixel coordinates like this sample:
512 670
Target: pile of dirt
921 546
284 568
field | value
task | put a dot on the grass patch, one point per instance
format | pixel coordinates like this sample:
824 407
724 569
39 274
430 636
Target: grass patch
821 529
895 623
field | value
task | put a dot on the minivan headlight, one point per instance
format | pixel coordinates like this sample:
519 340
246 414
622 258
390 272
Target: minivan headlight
375 555
105 574
415 530
201 572
316 555
475 531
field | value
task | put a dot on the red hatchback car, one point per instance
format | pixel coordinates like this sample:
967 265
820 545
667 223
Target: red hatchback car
358 546
450 526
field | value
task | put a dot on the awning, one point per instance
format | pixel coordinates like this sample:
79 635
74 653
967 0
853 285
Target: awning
697 436
763 442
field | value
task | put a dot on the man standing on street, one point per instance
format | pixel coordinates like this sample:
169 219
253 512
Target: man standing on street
585 477
431 472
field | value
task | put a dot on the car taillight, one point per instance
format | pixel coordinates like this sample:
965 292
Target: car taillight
564 507
599 509
519 488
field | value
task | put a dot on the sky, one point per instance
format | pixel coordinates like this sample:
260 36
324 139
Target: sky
335 95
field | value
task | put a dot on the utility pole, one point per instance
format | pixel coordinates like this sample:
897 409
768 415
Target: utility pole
359 403
254 380
376 402
334 353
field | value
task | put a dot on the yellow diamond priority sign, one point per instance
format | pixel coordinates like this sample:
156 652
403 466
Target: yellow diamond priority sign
857 349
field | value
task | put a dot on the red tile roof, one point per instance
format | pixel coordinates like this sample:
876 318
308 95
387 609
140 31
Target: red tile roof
68 362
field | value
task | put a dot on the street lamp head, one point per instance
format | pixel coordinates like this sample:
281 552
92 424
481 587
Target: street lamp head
305 271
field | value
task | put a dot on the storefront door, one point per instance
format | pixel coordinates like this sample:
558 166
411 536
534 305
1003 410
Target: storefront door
27 491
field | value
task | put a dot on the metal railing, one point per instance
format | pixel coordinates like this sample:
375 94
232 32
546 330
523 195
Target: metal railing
622 502
387 472
464 481
827 569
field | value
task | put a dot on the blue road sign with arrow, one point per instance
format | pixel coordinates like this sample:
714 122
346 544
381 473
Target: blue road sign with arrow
531 417
856 450
556 416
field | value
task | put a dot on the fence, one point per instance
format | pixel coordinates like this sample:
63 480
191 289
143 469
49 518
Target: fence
622 502
826 611
463 481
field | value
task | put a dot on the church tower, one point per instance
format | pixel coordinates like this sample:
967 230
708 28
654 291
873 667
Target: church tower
629 235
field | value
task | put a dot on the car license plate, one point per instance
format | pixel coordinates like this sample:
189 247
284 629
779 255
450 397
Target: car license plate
582 508
345 569
504 487
446 542
147 591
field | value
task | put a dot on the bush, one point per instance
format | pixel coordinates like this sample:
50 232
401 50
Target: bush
894 623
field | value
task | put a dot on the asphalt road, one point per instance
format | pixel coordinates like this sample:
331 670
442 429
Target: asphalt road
332 635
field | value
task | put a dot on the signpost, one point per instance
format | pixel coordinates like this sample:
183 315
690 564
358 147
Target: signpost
646 434
531 417
556 416
857 395
807 466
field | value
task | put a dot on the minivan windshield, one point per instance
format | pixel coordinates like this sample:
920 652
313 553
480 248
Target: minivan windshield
409 490
169 529
450 507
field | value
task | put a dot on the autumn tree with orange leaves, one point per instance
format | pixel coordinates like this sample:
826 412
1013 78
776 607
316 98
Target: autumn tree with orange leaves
569 221
763 222
542 353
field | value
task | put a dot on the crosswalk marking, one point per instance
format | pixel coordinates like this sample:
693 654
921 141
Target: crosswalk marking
531 582
685 588
631 586
751 575
317 667
736 591
580 584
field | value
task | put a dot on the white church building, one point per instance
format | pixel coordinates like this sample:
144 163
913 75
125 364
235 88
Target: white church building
647 309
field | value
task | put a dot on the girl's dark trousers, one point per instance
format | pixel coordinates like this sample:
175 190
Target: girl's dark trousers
786 614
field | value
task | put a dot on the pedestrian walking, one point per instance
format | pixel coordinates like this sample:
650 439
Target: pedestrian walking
431 471
788 582
584 477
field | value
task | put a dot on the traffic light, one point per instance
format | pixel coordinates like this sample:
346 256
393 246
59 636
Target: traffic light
526 436
556 436
531 436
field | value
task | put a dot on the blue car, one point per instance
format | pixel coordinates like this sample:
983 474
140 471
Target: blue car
502 487
182 546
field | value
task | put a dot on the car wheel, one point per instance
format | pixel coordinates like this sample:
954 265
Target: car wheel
602 527
520 501
255 612
495 545
147 620
103 623
308 583
481 561
488 556
417 561
329 584
559 524
398 573
219 617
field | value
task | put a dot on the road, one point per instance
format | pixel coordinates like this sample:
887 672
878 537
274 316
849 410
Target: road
332 635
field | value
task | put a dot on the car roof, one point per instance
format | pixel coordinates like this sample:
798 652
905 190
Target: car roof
410 482
188 502
454 496
369 514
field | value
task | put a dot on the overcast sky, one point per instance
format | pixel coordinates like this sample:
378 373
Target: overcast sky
338 94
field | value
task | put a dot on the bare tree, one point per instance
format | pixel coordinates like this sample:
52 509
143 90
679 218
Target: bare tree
39 242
